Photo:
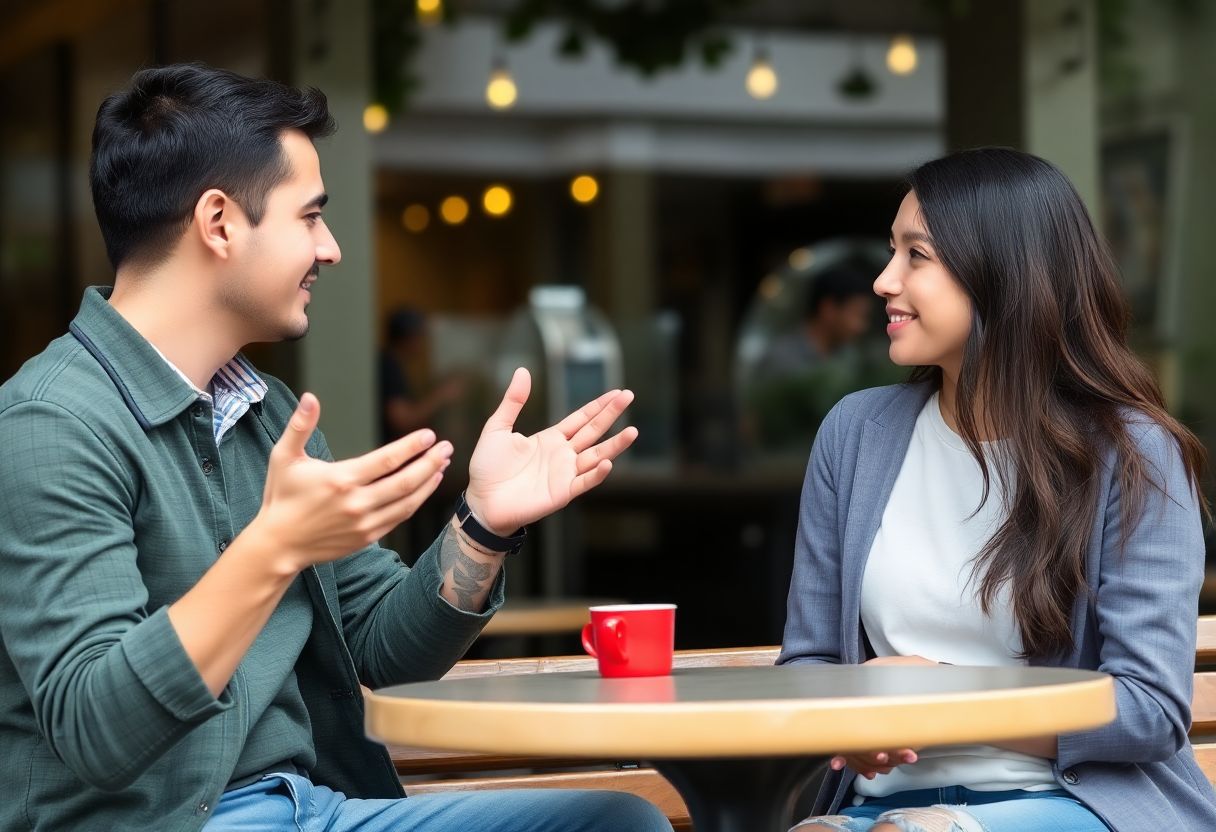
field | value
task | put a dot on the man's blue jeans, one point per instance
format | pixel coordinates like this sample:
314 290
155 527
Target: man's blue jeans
289 803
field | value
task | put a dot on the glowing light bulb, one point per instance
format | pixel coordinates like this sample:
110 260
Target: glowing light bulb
901 55
416 218
762 81
375 118
454 210
497 200
501 91
584 188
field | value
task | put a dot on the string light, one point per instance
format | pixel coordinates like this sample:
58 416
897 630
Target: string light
375 118
584 189
454 210
501 91
762 81
901 55
415 218
497 200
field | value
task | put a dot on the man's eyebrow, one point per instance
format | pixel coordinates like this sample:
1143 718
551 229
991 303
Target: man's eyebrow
317 201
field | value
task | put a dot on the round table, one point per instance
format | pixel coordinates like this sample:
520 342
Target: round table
740 743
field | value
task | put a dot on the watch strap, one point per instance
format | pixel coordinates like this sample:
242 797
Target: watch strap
479 534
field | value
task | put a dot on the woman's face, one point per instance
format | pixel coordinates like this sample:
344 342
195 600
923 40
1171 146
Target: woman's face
928 311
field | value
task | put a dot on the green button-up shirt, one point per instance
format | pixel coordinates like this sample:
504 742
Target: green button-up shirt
114 501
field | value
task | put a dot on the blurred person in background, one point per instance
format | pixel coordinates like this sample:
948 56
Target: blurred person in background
403 407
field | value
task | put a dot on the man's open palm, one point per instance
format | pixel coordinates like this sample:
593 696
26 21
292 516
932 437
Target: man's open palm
515 480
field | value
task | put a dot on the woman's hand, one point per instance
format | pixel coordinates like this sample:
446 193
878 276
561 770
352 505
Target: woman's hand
871 763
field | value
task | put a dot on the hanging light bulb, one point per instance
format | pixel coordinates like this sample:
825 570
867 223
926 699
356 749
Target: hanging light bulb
901 55
375 118
454 210
497 200
416 218
584 188
762 79
501 91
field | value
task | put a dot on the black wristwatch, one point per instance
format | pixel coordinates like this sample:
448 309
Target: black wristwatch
482 536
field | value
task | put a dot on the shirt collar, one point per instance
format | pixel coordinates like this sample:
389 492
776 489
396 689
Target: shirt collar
153 387
153 391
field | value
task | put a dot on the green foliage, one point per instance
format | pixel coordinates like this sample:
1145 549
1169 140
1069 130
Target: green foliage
648 36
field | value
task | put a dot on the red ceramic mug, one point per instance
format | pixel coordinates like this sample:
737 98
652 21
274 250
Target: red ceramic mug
632 639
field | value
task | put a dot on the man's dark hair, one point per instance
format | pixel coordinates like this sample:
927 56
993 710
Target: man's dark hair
838 283
179 131
403 324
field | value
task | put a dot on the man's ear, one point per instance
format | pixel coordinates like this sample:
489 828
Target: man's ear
215 219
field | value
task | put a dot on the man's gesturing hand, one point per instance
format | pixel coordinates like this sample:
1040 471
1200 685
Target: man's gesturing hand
515 480
320 511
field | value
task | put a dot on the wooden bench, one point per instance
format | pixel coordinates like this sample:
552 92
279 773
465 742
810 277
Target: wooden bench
453 770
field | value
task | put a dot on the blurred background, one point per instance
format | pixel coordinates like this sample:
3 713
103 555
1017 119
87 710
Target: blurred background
685 197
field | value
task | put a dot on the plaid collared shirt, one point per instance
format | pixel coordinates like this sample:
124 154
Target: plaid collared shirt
234 388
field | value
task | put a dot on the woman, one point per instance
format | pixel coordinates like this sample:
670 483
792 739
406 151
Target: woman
1025 499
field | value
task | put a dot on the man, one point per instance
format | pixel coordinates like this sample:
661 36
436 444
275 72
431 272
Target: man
840 308
402 407
809 368
192 590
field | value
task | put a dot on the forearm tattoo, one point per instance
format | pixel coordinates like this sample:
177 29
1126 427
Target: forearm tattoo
469 578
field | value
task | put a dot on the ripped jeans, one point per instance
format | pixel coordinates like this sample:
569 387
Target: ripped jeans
957 809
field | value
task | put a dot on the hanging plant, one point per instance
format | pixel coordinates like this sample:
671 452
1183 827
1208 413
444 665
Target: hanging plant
647 36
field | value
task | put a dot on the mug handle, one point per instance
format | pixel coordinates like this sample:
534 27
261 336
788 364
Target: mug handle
589 641
614 648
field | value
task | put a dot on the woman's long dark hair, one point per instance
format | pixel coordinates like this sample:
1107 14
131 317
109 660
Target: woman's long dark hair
1047 368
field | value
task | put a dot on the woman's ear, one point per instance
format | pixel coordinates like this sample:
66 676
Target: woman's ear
214 214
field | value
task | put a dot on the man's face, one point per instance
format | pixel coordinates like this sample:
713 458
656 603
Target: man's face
847 319
269 287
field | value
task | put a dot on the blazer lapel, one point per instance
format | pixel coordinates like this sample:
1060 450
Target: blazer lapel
880 454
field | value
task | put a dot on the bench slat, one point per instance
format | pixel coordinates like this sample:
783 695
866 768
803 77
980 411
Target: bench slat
646 783
1205 642
733 657
1203 705
409 760
1205 755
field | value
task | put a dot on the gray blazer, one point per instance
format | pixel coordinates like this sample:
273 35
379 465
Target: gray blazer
1137 622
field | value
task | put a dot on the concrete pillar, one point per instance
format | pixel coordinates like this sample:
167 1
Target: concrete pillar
1060 79
337 360
623 278
1024 74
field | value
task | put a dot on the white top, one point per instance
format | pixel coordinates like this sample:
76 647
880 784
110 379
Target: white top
918 597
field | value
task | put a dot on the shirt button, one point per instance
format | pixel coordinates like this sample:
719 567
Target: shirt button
208 466
203 807
1071 777
197 410
223 545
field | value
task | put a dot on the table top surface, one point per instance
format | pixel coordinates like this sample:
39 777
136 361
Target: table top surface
740 711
